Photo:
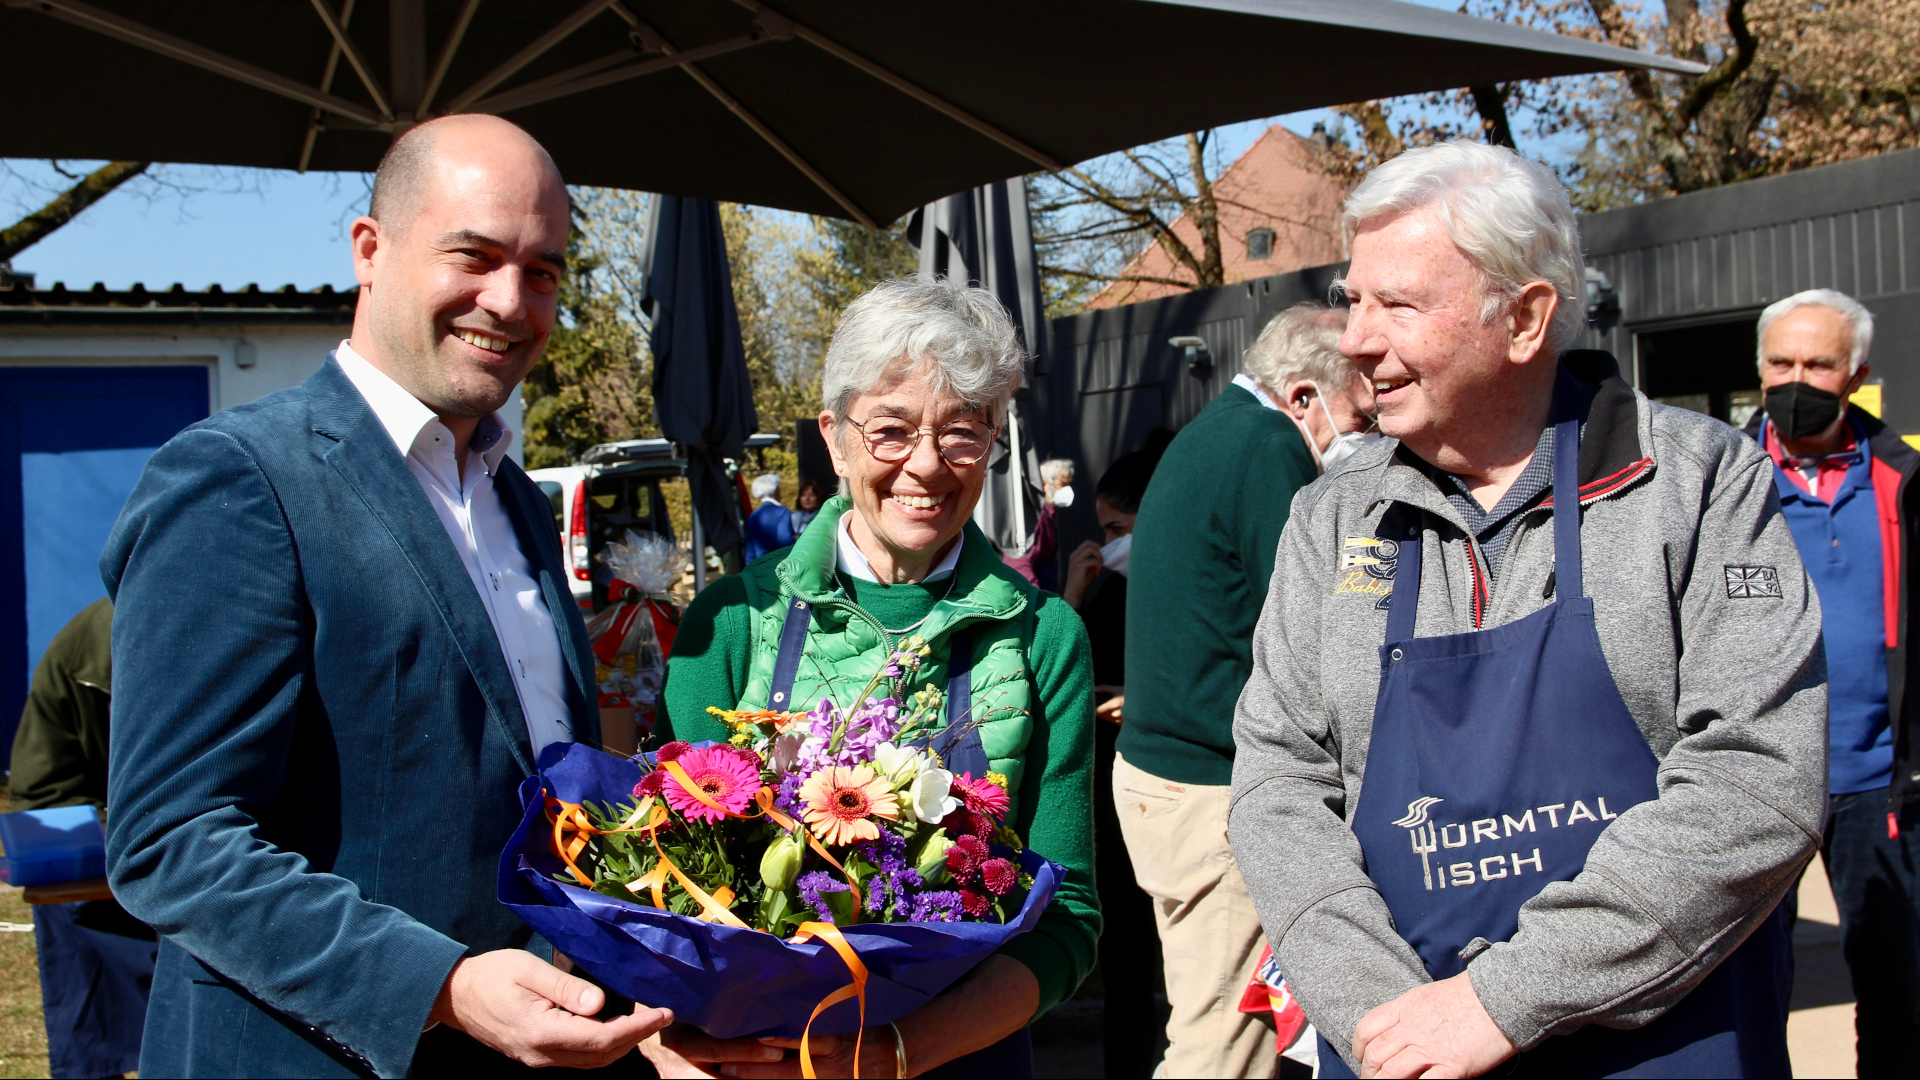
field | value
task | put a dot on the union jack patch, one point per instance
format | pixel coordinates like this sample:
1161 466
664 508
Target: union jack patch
1752 582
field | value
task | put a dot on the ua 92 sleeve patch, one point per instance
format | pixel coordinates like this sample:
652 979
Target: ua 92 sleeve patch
1753 583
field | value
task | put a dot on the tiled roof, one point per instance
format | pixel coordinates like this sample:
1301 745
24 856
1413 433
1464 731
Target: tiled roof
1272 186
59 305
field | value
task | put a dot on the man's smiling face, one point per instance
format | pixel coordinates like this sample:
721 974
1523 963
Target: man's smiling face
1416 333
462 287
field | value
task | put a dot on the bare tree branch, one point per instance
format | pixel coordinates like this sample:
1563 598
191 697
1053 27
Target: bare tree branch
65 206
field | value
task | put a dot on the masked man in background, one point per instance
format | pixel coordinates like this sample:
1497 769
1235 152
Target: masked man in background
1202 552
1842 477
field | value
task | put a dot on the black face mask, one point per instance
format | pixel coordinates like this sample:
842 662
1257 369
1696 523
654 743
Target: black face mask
1799 410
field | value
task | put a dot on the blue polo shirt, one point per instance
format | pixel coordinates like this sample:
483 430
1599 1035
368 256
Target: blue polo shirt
1839 541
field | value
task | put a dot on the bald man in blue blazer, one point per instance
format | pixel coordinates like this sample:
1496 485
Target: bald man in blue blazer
342 636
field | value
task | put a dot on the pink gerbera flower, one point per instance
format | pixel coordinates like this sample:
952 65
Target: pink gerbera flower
721 776
650 784
982 796
842 801
672 751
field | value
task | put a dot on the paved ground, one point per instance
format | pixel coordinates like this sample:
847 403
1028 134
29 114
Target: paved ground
1820 1028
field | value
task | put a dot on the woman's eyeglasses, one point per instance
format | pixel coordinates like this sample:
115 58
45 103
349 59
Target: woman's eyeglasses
890 439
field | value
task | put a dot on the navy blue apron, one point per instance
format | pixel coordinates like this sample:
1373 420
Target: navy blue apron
960 752
1496 759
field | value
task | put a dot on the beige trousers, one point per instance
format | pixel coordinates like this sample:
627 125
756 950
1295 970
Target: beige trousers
1210 935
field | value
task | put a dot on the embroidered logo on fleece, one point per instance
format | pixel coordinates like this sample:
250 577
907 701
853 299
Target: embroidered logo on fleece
1752 582
1367 566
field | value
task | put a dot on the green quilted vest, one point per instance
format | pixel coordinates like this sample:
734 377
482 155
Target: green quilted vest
845 645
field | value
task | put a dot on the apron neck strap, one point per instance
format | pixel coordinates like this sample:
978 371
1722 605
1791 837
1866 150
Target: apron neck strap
1566 511
786 663
1403 607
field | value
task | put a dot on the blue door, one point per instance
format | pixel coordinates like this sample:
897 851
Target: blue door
72 444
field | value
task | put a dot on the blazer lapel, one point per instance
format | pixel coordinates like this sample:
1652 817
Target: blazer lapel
532 518
364 456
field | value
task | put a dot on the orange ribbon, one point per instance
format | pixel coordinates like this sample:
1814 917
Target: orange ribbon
830 934
764 797
713 907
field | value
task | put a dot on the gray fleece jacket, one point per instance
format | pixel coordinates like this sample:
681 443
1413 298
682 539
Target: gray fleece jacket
1723 672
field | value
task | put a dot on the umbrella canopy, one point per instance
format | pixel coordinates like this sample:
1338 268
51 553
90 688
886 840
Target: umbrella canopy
860 109
985 237
700 383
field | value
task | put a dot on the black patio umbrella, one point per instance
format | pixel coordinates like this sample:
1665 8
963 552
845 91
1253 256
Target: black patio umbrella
700 383
860 109
985 237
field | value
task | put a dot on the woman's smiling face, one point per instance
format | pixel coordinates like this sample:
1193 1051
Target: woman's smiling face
913 508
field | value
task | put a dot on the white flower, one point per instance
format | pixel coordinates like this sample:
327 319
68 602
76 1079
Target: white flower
784 754
930 798
899 764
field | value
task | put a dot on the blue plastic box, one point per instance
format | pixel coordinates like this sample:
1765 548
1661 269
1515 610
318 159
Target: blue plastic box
51 847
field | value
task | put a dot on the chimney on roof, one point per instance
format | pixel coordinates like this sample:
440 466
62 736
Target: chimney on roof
1320 136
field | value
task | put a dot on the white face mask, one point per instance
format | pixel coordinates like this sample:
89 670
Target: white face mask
1115 555
1062 497
1344 443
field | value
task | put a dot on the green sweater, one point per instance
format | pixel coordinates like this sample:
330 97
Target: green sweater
1203 549
709 667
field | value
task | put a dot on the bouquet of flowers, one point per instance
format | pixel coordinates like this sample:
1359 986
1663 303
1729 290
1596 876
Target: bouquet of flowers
742 883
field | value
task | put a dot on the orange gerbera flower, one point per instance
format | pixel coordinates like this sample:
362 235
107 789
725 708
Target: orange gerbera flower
842 801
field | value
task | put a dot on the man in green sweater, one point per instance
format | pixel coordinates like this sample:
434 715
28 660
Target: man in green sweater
1203 549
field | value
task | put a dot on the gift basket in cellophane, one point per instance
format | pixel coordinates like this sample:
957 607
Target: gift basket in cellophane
819 871
632 638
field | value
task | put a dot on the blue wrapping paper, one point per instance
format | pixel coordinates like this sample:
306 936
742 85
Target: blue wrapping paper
726 981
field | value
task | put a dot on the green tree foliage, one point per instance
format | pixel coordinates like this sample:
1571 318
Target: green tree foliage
595 383
792 277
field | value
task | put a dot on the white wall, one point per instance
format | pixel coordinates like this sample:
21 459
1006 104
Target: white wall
285 356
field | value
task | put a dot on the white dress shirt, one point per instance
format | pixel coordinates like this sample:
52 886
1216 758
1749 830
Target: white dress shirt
483 536
855 565
1245 382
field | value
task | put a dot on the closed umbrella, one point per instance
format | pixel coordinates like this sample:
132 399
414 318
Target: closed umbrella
700 384
985 237
860 109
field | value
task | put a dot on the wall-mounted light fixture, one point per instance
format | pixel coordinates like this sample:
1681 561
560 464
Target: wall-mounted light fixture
1199 360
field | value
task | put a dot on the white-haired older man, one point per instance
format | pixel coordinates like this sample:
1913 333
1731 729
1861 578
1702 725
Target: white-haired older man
1841 475
1535 739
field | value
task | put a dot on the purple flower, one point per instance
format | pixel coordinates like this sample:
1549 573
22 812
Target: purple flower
896 879
937 905
788 797
812 885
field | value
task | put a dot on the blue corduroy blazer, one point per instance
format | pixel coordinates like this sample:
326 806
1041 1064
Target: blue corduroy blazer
315 741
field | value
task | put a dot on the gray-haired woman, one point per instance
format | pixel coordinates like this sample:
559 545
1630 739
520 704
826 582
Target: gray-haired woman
917 382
